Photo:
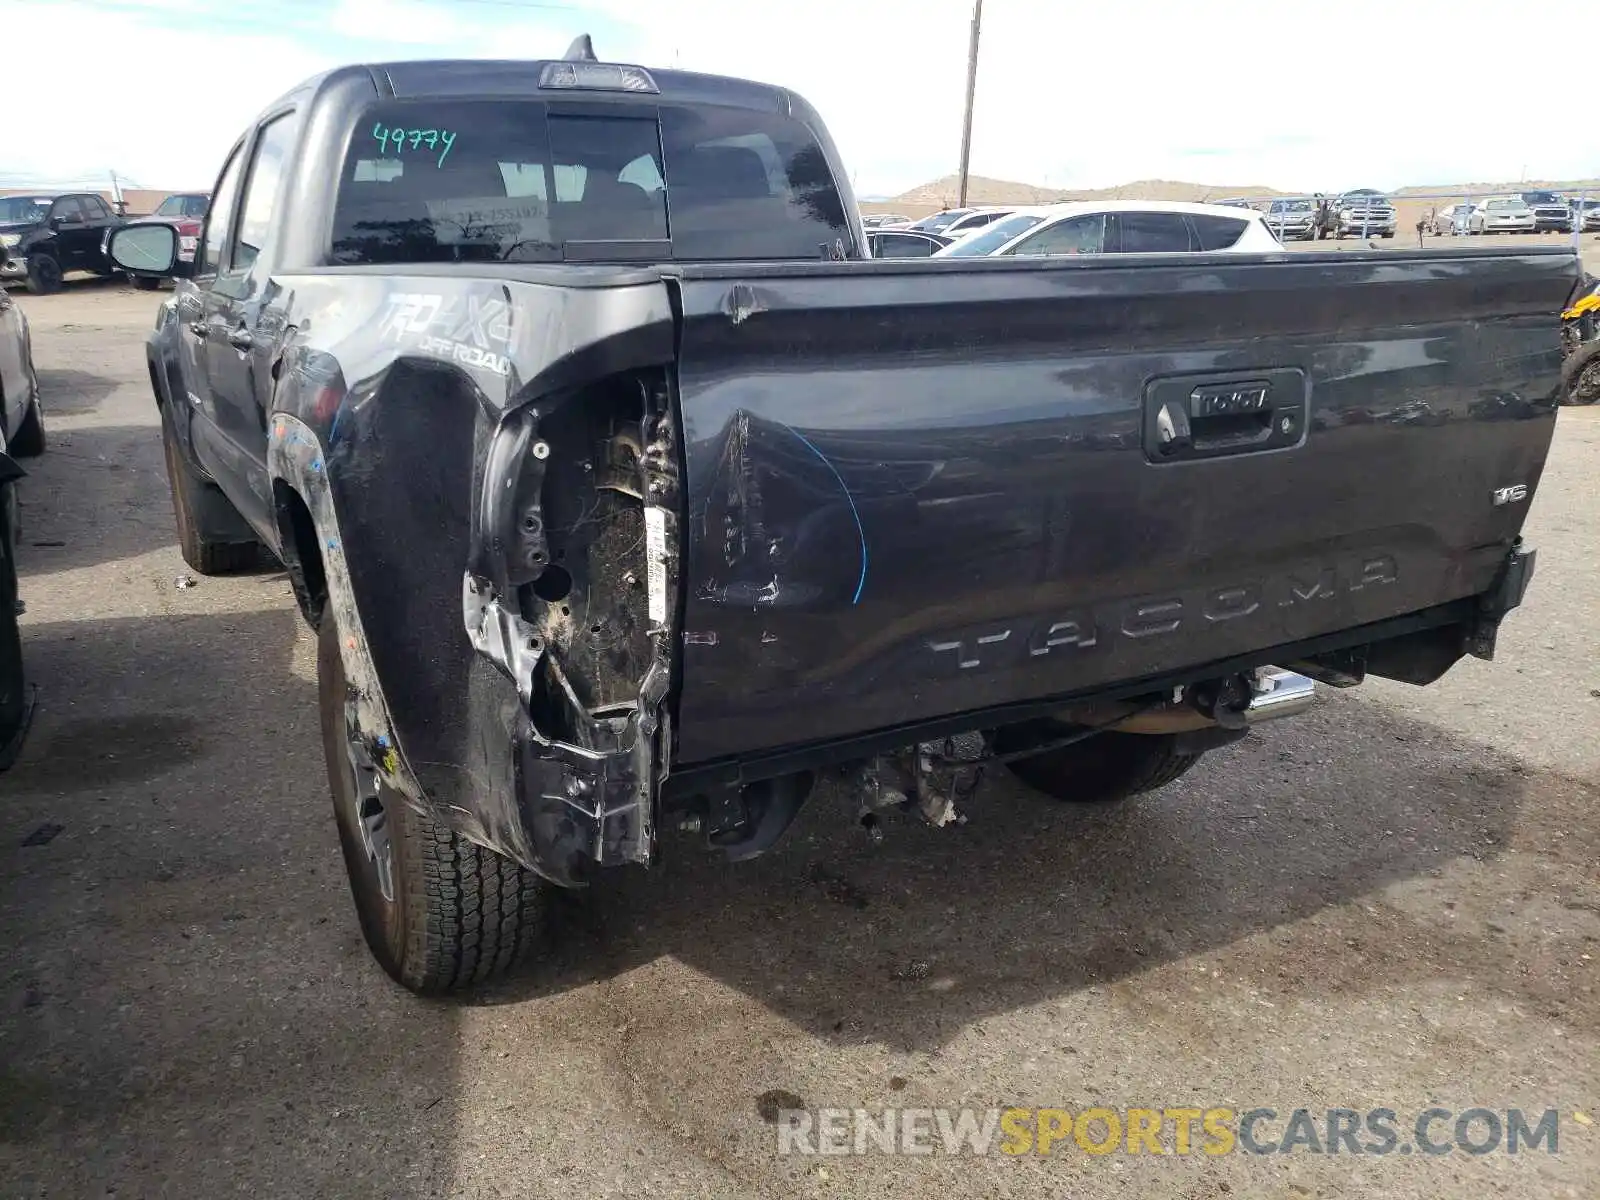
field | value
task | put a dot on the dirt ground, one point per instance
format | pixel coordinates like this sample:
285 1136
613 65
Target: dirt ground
1390 902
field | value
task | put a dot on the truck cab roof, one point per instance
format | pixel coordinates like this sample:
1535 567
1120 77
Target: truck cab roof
521 79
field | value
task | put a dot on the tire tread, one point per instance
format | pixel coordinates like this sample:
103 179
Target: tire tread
471 918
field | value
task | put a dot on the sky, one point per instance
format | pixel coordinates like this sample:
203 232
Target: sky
1070 94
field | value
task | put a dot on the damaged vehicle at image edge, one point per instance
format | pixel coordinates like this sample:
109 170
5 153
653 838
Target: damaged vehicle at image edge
622 493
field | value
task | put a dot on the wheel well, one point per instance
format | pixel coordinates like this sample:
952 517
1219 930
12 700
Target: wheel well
155 382
302 552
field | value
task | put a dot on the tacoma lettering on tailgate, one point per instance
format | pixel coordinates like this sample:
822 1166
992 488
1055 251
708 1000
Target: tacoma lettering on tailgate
1148 617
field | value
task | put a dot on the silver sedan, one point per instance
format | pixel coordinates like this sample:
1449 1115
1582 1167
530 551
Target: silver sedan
1501 215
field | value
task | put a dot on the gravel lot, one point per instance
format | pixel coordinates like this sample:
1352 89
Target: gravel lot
1392 901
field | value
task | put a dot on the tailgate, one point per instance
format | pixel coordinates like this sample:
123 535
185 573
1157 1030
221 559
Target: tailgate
916 490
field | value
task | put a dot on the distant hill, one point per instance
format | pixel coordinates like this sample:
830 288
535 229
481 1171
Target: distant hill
942 193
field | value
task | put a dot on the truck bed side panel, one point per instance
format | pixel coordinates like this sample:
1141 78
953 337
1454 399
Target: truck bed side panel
913 494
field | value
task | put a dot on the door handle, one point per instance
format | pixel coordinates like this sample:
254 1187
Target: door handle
241 338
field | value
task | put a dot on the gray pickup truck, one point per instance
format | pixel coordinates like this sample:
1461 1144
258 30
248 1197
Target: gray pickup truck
1365 213
621 490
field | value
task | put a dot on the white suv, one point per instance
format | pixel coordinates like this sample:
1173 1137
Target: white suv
1138 227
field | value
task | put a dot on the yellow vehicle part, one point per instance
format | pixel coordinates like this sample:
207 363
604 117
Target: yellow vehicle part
1590 303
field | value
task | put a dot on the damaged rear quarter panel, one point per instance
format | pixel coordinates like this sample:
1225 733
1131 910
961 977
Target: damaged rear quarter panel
391 391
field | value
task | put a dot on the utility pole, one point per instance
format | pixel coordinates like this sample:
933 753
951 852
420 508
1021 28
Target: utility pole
972 87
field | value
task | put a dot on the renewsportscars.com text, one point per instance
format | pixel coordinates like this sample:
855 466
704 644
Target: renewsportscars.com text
1176 1130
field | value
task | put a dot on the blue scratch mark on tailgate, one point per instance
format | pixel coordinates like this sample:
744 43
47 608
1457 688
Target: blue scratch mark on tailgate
861 531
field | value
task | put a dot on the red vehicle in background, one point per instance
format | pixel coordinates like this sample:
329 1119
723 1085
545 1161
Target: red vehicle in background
186 211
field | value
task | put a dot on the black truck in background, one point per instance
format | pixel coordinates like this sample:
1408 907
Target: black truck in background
46 236
619 489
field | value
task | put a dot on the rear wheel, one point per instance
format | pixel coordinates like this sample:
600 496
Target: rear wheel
190 492
144 283
28 440
1101 769
438 912
1581 374
44 274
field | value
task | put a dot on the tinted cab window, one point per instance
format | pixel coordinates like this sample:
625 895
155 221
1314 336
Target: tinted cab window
476 181
901 245
271 154
219 221
1216 233
1150 233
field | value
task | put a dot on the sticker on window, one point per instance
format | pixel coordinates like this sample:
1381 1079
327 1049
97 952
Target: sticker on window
508 221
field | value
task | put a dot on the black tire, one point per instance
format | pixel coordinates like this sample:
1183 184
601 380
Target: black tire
189 490
144 283
14 698
28 440
44 274
1099 770
1580 374
457 915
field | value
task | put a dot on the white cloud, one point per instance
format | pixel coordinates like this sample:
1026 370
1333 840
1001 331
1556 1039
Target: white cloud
1098 94
1233 92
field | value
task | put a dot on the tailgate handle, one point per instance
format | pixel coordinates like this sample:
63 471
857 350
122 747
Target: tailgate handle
1188 419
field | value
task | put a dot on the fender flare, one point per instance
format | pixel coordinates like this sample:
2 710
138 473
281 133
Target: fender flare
295 456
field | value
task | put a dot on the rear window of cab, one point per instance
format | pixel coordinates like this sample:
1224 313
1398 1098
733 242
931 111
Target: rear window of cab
531 181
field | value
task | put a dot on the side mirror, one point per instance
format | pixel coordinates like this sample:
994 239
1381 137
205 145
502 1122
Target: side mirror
150 251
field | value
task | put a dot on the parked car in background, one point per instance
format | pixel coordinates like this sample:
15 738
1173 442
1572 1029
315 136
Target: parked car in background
1292 219
884 220
1144 227
1584 215
46 236
1551 213
1365 212
1501 214
939 221
1233 202
17 377
186 211
1451 220
976 219
985 241
21 419
904 243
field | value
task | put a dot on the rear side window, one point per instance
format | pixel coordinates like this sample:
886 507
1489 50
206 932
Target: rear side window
220 218
901 245
1217 233
96 208
1153 233
261 192
520 181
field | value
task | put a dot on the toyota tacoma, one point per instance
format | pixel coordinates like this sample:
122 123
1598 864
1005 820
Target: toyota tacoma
623 490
